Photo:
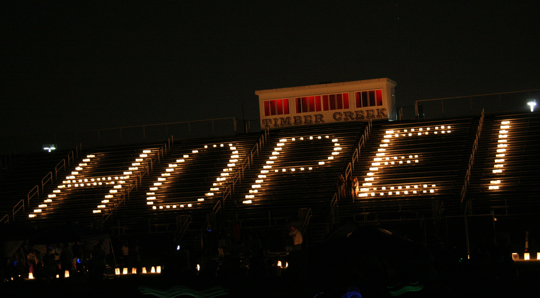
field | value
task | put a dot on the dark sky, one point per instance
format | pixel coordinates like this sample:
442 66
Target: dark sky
75 65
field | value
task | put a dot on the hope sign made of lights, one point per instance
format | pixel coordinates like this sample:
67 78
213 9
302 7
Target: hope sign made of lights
382 159
78 179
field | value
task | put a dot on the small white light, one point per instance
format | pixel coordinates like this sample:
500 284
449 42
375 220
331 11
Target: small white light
532 104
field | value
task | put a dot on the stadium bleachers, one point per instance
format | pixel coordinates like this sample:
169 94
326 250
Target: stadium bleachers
95 187
408 171
407 167
504 180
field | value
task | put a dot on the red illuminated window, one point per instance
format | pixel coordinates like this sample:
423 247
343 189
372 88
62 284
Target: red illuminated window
276 107
308 104
370 98
319 103
337 101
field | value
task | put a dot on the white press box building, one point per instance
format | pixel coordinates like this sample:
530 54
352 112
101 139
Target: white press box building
327 103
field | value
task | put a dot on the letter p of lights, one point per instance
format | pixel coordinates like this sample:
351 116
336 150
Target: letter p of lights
272 165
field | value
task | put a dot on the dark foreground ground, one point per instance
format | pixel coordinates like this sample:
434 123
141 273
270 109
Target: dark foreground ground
522 282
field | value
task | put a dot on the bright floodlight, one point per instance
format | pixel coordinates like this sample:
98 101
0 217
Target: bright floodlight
532 104
49 147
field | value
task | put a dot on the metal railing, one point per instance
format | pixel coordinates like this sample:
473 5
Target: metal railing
357 151
238 175
416 110
32 193
5 219
333 210
18 207
48 178
143 128
61 165
182 223
71 159
471 162
306 214
137 180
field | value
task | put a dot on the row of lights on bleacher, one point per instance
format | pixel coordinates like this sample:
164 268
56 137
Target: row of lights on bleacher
382 160
278 150
397 190
502 145
151 196
417 131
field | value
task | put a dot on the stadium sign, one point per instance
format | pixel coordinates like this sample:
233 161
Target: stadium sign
358 115
327 103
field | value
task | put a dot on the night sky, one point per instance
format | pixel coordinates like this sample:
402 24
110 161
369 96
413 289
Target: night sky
77 65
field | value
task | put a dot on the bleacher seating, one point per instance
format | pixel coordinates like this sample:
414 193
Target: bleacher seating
408 171
408 167
504 180
185 183
297 169
100 182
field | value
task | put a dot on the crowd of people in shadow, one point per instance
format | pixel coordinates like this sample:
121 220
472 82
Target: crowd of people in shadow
56 261
373 260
